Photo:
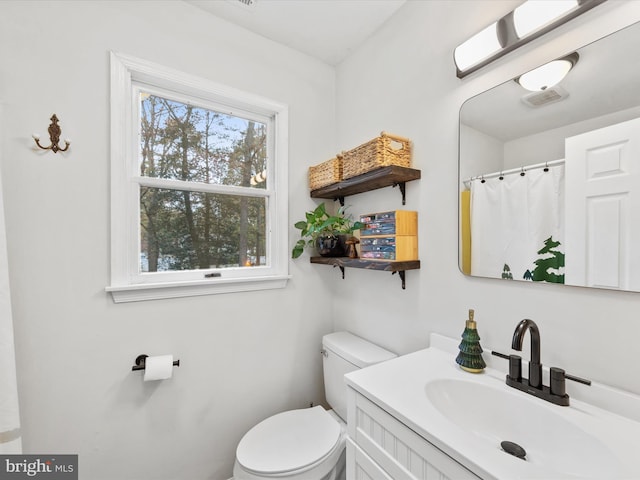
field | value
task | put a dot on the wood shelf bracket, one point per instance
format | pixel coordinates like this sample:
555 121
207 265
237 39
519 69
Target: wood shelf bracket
403 191
402 278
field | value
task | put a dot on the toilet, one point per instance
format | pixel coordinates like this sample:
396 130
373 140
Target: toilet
309 443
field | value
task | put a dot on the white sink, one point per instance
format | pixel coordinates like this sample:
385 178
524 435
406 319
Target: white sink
467 416
494 414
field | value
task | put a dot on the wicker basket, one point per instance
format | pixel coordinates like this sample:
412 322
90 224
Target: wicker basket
327 173
382 151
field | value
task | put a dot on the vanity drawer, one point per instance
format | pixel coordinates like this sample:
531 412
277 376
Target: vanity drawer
360 466
398 450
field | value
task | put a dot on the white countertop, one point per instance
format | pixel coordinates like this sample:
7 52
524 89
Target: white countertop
399 386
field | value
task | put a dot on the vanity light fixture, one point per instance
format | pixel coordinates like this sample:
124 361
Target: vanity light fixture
549 74
530 16
482 45
527 22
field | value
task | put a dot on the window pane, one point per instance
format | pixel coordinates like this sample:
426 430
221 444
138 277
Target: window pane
183 230
185 142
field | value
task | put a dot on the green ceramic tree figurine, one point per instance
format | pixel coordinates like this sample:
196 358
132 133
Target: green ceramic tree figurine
470 356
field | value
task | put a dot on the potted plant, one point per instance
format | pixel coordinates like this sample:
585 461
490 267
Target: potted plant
328 233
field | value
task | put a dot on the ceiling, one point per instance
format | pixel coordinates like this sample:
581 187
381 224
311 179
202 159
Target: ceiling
328 30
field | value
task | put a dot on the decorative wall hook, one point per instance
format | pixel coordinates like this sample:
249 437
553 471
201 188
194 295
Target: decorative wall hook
54 135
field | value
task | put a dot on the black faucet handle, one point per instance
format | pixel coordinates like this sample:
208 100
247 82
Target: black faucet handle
501 355
557 381
577 379
515 365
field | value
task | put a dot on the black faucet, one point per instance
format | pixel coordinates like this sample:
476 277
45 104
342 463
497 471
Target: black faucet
555 393
535 367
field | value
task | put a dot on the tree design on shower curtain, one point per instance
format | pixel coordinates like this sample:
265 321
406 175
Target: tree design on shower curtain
553 260
506 273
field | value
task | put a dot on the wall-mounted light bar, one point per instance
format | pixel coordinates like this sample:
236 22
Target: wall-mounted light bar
527 22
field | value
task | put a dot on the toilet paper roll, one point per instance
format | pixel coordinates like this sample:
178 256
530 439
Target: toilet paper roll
159 367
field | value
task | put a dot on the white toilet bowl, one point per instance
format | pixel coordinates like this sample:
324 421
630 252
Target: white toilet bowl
305 444
309 444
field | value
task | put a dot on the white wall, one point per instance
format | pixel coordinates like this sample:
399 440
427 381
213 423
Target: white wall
243 356
483 153
549 145
403 81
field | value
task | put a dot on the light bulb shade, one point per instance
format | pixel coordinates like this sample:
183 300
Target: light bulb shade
482 45
547 75
527 22
534 14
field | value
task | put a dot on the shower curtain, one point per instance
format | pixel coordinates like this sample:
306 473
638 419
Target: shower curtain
517 226
10 436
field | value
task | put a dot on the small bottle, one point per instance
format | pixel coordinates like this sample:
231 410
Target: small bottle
470 356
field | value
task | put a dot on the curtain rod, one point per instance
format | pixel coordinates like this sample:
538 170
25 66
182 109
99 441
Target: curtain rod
486 176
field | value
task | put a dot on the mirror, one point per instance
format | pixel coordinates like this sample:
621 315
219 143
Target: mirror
547 178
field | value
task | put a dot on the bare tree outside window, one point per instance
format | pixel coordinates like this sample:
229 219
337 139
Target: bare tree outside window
188 228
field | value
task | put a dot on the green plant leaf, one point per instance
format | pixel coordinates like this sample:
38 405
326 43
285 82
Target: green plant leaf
298 249
318 222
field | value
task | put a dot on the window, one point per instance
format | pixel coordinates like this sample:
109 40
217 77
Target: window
199 201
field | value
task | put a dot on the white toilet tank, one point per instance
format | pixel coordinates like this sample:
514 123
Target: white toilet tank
344 352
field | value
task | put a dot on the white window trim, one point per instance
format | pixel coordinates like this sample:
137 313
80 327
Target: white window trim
128 287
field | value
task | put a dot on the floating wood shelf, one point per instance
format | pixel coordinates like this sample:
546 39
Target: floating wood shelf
379 178
384 265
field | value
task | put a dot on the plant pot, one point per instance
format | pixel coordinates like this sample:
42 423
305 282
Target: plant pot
332 245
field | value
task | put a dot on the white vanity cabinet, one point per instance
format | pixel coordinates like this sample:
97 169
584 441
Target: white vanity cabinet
419 416
380 447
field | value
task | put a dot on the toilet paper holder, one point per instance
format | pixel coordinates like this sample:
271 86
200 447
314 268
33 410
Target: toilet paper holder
141 361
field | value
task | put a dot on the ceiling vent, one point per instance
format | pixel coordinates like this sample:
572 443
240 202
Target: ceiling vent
545 97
